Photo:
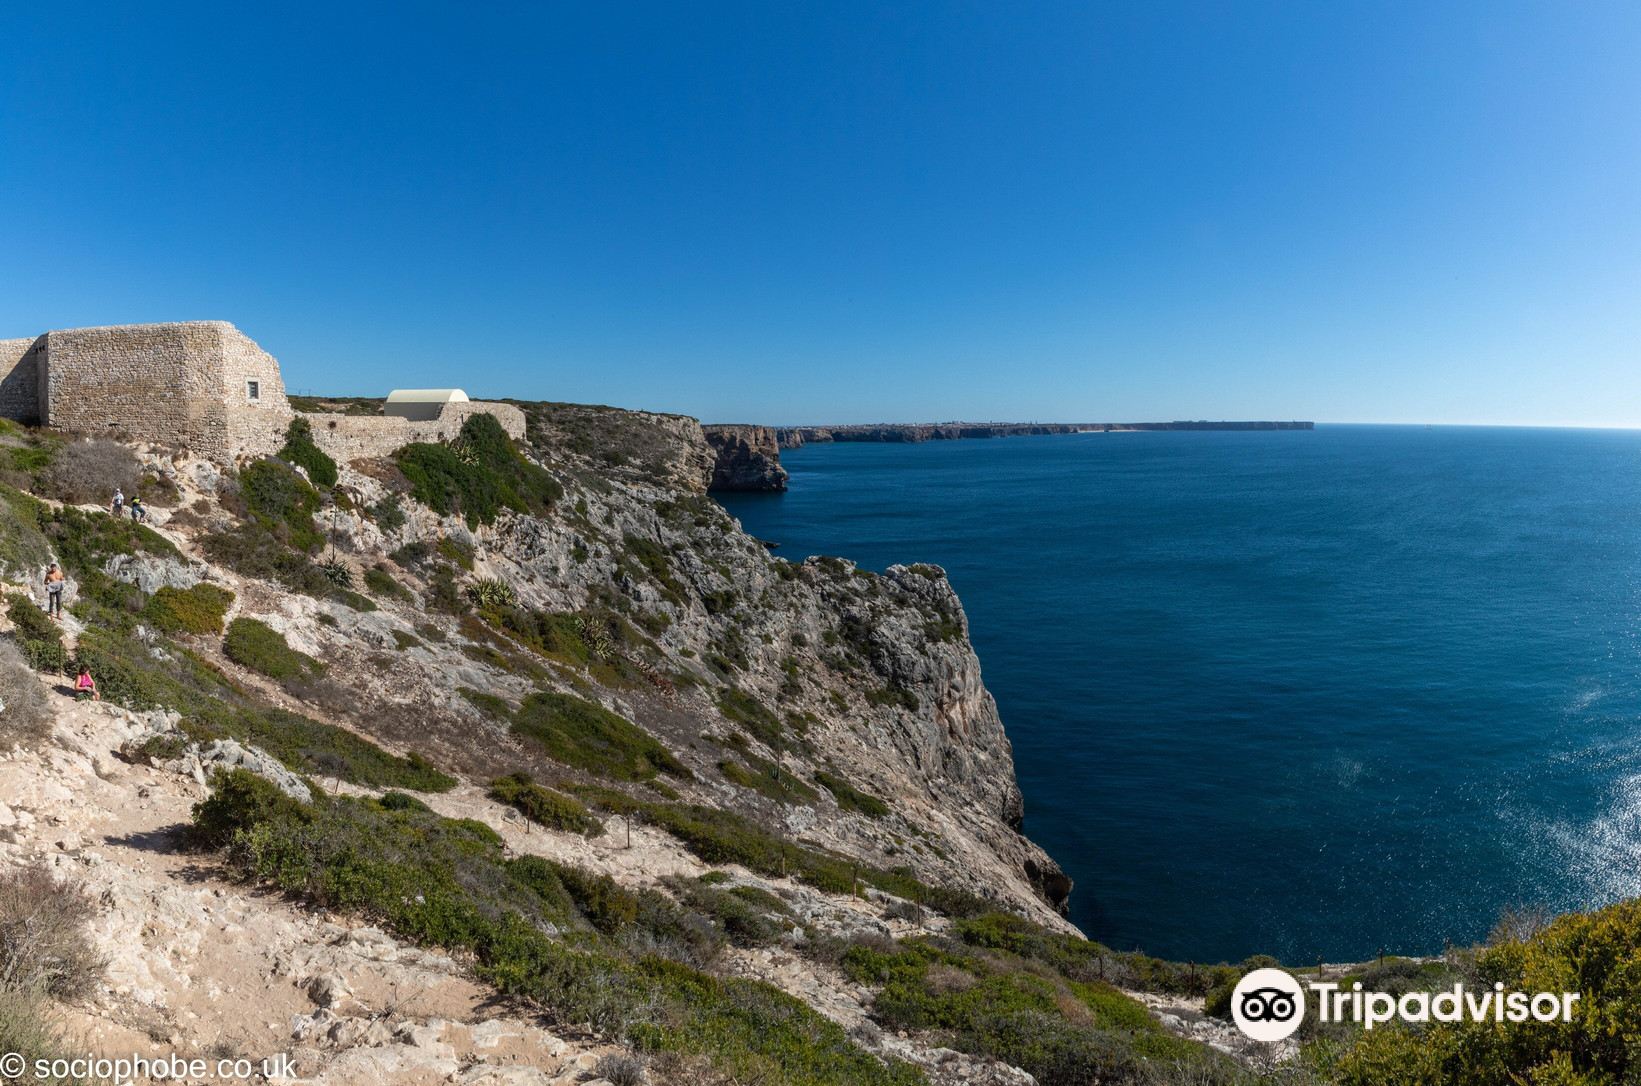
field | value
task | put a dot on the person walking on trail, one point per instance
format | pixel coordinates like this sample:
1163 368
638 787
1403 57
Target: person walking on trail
85 686
139 511
119 502
54 592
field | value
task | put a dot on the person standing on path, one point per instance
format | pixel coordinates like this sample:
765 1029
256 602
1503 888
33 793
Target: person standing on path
54 592
119 502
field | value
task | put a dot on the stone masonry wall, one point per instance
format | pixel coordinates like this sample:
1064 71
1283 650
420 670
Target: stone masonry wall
180 384
20 379
255 427
354 437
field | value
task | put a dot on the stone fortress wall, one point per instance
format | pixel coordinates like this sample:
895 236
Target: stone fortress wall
20 361
187 384
201 385
354 437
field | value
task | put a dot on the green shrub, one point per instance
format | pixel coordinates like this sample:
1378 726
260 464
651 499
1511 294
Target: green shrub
381 582
753 715
851 798
300 450
389 514
283 502
649 556
590 737
746 915
256 645
38 638
552 809
1064 1031
767 778
240 798
478 475
197 610
254 549
24 549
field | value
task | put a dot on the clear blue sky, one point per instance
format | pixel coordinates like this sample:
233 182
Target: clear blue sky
855 212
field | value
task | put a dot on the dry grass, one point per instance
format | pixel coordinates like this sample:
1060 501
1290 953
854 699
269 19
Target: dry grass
44 947
25 713
86 472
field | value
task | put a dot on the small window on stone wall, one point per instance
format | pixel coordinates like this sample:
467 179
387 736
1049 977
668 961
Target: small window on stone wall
253 390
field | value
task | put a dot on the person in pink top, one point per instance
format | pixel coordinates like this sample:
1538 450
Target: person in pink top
86 686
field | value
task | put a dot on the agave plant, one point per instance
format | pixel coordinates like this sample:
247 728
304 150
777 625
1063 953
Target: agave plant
336 571
491 592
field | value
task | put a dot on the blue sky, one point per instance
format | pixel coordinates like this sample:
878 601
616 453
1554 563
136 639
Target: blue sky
855 212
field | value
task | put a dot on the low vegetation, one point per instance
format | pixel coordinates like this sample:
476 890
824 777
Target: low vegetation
447 883
38 638
25 716
720 836
196 610
1001 987
1591 953
256 645
767 779
478 475
87 472
588 736
554 810
300 450
46 953
851 798
753 716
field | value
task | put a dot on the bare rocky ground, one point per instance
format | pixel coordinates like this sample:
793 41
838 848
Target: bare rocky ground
198 965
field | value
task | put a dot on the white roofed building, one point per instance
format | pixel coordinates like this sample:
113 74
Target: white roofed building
421 404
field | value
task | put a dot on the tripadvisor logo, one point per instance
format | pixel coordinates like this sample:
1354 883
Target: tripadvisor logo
1269 1005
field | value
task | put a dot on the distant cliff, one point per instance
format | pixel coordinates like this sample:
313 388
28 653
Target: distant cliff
748 458
792 437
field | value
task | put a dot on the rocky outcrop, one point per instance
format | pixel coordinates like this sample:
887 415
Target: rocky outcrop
792 437
747 458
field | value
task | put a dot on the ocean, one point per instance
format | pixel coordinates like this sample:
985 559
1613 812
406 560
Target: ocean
1312 694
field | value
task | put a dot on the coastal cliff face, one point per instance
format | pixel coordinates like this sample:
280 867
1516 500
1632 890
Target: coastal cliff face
808 746
748 458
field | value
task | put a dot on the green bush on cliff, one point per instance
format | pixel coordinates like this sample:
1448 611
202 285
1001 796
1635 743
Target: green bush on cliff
1064 1030
554 810
256 645
38 638
300 450
129 674
590 737
851 798
767 778
478 475
198 610
283 502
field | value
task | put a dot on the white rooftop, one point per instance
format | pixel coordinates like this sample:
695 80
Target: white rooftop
427 395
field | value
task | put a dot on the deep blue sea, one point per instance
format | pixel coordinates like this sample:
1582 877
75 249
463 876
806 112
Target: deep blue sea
1312 694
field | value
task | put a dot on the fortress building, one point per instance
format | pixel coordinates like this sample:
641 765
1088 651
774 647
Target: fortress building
201 385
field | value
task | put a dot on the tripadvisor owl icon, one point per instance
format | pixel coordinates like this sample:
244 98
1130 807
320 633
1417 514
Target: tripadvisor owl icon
1268 1005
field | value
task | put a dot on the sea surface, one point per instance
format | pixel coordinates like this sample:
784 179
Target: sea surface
1313 694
